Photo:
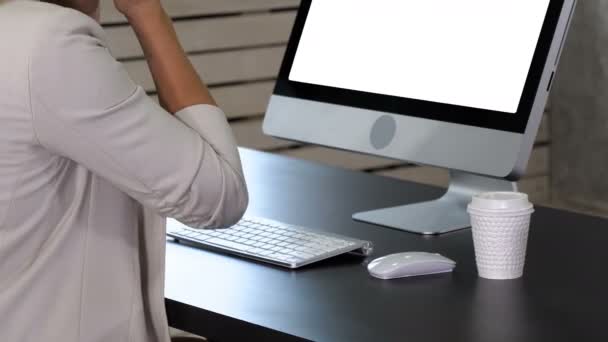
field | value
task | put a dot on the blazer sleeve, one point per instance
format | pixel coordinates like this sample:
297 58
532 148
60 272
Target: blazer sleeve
85 107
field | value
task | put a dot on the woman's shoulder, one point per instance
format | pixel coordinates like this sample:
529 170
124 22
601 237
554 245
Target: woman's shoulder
44 21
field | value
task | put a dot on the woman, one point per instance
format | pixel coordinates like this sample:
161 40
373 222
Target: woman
90 166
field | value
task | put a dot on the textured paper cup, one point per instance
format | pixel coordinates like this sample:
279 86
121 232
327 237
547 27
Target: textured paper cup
500 223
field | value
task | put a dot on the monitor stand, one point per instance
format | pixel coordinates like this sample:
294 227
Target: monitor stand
443 215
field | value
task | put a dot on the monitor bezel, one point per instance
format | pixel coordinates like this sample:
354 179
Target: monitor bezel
509 122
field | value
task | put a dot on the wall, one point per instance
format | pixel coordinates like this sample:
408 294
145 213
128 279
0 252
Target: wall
580 110
237 47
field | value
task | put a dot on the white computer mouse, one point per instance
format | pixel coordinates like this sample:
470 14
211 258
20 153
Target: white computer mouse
409 264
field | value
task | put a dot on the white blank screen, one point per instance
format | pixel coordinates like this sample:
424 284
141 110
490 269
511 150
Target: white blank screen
473 53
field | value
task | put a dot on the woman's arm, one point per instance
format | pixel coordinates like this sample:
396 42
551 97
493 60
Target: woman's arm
184 166
177 83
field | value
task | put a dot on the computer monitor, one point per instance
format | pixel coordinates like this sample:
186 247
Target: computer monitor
458 84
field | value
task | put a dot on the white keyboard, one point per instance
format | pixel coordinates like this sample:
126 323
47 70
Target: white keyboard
271 241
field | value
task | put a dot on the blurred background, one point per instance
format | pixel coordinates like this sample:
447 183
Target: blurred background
237 47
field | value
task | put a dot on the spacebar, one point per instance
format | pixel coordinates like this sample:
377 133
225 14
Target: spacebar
229 244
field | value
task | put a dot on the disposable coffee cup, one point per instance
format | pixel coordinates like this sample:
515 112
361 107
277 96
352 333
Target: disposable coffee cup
500 223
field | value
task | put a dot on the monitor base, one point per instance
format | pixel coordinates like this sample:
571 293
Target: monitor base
443 215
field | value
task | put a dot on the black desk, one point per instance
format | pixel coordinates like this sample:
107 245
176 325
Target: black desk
562 297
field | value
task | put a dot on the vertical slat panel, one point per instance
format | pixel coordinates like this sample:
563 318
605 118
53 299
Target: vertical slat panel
243 100
193 8
212 34
222 67
249 134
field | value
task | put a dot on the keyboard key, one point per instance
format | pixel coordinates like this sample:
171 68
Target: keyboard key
301 254
200 237
176 231
256 250
279 256
229 244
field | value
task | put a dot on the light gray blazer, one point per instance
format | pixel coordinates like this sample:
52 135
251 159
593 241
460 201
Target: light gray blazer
89 168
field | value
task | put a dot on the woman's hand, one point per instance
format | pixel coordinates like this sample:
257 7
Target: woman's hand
132 8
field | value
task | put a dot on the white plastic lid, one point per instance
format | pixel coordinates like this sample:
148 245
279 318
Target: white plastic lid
508 201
